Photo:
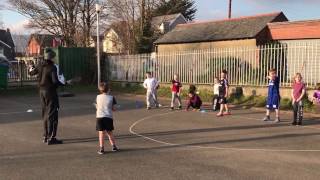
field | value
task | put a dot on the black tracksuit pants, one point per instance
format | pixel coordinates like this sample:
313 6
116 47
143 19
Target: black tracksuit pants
50 105
215 103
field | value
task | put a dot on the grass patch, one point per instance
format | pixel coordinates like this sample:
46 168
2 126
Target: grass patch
206 95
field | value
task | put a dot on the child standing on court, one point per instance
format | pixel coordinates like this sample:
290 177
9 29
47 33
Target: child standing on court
176 90
298 92
223 94
151 84
105 105
215 99
273 99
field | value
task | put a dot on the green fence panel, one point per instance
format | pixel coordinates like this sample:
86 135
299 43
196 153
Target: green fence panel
3 76
77 63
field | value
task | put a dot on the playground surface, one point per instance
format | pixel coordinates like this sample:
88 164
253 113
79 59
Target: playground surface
155 144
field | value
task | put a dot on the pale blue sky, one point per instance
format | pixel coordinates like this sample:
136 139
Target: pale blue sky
216 9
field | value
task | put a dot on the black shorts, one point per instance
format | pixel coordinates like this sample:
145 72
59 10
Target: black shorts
223 100
104 124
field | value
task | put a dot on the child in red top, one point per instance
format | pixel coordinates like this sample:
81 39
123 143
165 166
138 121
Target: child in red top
176 90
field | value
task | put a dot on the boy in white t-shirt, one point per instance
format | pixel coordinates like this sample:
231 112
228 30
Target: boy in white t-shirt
105 105
151 84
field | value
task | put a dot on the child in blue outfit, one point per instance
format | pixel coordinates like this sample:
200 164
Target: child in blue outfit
273 99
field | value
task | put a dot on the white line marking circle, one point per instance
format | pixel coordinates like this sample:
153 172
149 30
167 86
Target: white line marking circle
210 147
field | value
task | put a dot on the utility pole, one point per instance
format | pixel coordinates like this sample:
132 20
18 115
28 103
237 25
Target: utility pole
143 14
98 10
230 9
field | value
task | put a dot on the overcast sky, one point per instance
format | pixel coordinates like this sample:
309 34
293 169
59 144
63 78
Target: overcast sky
213 9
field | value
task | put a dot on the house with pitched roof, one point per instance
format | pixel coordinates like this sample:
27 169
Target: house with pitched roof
21 44
164 24
6 44
242 31
38 42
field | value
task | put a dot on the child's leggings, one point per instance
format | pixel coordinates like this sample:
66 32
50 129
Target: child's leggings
298 111
215 103
175 96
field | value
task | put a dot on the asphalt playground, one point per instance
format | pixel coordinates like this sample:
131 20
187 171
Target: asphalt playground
155 144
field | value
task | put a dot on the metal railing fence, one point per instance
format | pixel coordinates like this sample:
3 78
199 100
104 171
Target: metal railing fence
246 66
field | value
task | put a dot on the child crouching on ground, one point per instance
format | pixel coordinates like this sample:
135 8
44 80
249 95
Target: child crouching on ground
105 105
176 90
316 96
298 92
194 100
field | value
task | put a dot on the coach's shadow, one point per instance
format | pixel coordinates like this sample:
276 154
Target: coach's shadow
94 139
177 132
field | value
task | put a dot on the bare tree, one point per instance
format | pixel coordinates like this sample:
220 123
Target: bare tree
87 20
58 17
132 13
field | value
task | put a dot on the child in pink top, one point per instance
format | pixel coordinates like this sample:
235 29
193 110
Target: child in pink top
297 93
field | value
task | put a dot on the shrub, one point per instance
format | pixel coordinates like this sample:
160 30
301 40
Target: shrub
285 104
260 101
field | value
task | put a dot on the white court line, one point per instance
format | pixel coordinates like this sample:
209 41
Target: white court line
210 147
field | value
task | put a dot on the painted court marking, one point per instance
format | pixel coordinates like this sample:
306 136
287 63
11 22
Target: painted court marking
212 147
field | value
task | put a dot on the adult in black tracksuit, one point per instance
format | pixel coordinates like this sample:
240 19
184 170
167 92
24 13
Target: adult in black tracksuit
48 84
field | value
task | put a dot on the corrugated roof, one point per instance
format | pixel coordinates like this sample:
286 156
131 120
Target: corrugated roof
292 30
227 29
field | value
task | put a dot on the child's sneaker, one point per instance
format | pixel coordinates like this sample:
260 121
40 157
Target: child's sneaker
114 148
45 140
180 107
294 123
219 114
101 151
267 118
277 120
54 141
148 108
172 108
227 113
